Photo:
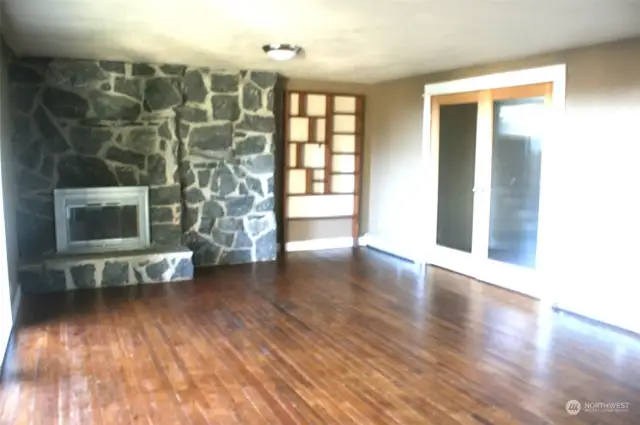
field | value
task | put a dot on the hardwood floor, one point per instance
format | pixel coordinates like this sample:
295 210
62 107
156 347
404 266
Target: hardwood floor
329 337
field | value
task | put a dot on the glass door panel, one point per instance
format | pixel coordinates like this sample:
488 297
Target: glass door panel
515 180
456 171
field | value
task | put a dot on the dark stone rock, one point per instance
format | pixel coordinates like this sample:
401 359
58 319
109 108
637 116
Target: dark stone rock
251 97
111 106
226 184
238 206
112 66
84 276
32 281
143 140
190 218
238 256
257 123
189 177
266 246
48 167
31 157
258 224
74 73
208 256
32 182
214 138
260 164
21 133
183 270
156 270
204 176
84 171
183 130
55 280
251 145
229 224
115 273
129 87
194 87
206 224
255 185
89 140
267 204
242 241
212 209
222 238
170 69
225 107
193 195
18 73
270 101
242 189
270 186
264 80
138 276
162 93
127 176
37 235
56 143
164 131
193 114
166 234
161 214
64 104
122 156
142 69
105 86
157 170
23 96
224 83
164 195
42 206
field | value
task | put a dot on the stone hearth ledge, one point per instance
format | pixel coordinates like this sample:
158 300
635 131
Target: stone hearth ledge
64 272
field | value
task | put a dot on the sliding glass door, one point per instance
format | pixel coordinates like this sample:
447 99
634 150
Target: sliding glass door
487 147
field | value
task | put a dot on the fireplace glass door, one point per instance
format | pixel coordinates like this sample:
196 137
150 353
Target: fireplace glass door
101 219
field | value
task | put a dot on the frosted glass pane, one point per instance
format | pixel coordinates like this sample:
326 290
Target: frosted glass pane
294 102
318 187
344 143
344 123
344 104
293 155
320 129
298 129
316 105
313 155
297 181
343 183
318 174
343 163
320 206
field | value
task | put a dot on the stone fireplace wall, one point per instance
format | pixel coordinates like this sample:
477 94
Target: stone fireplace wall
201 140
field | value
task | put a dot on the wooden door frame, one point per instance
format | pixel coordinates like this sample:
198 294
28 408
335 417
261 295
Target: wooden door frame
555 74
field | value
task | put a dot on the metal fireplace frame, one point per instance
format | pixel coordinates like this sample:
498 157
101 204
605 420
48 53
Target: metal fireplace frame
101 196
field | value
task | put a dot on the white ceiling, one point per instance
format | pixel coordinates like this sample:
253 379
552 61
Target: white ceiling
344 40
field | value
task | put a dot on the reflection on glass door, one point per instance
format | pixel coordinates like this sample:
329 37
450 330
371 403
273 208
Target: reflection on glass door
515 180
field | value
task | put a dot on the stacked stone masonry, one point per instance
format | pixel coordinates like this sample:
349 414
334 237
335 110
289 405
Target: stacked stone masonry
201 140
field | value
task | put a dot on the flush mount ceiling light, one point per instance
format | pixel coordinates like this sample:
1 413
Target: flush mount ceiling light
281 52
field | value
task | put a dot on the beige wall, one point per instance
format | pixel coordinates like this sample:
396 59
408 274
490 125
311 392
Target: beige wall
302 230
597 201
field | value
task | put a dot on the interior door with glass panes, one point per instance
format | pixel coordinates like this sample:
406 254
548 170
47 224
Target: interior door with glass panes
323 139
488 156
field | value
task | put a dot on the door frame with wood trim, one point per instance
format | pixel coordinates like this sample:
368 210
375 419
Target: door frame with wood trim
556 75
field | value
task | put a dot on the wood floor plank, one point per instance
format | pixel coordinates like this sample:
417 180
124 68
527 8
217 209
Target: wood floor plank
332 337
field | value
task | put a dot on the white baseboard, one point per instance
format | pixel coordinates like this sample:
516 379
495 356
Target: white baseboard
320 244
389 247
15 304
